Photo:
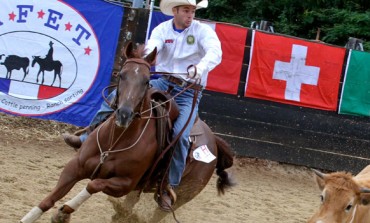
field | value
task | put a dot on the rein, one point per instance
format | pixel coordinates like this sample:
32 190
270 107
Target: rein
174 141
104 155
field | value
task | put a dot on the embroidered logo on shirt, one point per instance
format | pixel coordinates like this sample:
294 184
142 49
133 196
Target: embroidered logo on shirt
168 41
190 39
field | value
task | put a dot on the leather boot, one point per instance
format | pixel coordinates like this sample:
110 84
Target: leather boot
72 140
167 199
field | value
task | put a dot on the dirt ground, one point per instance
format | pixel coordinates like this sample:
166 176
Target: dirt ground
33 154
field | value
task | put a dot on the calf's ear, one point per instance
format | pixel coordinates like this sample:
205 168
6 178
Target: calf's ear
320 179
320 182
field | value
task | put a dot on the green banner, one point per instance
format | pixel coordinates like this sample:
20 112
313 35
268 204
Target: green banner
355 98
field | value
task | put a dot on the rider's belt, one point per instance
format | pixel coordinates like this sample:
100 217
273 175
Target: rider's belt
182 83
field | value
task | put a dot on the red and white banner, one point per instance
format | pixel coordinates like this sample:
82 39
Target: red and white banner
226 76
294 71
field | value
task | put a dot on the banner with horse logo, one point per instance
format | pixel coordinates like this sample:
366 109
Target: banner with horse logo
56 57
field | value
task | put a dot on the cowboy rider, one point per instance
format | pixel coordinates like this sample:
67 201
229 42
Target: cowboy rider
180 41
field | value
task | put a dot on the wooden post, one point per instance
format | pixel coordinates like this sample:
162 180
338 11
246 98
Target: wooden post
133 29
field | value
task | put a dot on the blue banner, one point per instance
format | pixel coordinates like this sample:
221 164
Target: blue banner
157 18
56 57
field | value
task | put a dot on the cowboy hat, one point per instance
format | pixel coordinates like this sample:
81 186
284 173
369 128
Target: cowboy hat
167 5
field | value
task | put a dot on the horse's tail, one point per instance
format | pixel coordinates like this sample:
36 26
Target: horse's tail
225 160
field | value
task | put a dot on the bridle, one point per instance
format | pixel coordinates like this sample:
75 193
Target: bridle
129 60
104 154
143 62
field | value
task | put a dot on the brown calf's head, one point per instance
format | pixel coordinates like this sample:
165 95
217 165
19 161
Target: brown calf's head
340 198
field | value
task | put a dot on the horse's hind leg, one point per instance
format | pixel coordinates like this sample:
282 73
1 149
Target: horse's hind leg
38 74
124 207
67 180
60 79
55 76
25 73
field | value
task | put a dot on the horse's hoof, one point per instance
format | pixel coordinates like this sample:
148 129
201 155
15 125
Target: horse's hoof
61 217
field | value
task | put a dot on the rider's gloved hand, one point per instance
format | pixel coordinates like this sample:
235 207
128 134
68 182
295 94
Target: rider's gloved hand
194 71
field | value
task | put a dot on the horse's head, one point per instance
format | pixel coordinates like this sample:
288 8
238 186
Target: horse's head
35 59
133 82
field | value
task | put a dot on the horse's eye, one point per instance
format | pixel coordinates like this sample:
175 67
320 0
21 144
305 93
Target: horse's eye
321 198
349 207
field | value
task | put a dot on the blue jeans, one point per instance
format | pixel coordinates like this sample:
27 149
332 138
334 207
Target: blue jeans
184 102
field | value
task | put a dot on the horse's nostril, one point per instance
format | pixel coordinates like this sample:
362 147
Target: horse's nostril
125 113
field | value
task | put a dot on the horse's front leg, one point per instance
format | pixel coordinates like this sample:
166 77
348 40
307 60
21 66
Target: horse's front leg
68 178
43 76
37 80
115 186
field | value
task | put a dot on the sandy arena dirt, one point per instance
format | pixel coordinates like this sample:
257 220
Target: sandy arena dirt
33 155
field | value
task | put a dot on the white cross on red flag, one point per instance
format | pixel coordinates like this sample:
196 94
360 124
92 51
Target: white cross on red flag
294 71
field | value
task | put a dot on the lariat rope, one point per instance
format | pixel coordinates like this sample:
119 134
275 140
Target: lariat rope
353 214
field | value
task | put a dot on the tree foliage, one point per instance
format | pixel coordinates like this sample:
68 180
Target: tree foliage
337 19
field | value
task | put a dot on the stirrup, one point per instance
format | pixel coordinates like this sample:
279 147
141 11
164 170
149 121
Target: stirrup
163 204
172 193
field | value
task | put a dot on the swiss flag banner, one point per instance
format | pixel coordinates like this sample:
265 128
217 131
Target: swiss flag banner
294 71
226 76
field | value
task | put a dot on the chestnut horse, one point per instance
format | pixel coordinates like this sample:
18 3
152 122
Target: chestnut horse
119 154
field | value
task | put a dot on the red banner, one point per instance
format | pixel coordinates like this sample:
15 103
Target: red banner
294 71
226 76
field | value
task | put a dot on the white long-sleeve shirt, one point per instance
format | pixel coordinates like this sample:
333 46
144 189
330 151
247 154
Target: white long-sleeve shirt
196 45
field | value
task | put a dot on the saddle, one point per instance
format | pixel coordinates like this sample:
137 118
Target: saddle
166 112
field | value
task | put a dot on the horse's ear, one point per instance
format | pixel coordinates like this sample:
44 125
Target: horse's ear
150 58
129 50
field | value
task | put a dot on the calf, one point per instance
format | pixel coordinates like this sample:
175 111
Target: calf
344 197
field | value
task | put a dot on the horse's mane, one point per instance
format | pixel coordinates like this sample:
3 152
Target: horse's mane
139 52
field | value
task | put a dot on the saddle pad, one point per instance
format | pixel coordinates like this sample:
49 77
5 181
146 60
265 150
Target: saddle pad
197 128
